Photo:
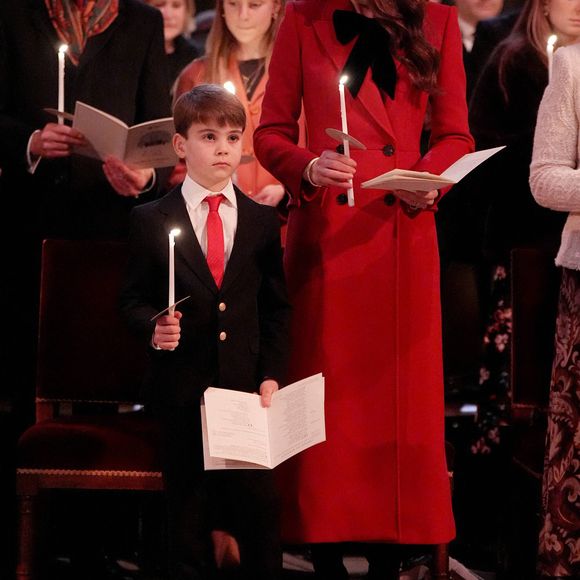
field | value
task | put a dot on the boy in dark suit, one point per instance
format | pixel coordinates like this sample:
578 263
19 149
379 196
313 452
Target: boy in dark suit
231 332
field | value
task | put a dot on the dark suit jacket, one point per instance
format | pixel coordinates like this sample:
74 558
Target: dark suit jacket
254 312
122 71
488 34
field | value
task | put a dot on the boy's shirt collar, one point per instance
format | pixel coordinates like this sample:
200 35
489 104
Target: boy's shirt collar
194 193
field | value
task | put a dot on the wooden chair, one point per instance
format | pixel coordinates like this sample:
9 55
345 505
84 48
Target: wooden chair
86 360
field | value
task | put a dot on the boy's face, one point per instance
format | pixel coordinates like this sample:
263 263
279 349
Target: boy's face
211 153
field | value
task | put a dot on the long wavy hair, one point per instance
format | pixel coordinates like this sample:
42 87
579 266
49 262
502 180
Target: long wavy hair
403 20
221 43
531 30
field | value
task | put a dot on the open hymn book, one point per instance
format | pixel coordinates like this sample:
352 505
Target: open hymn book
425 181
238 433
147 144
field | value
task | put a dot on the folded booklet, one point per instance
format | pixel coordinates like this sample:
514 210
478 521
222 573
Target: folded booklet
424 181
147 144
238 433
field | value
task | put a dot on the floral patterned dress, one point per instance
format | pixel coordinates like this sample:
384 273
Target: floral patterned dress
494 376
559 546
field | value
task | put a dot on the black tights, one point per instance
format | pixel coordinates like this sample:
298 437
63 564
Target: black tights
384 561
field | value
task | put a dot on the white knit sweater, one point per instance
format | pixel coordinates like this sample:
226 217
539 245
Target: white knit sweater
554 173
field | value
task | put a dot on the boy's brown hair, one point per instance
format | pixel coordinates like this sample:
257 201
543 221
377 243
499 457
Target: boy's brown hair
207 103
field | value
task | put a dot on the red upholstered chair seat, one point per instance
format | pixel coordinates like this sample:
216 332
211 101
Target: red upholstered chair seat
92 443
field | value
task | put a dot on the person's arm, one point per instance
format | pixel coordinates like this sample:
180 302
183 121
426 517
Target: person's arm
153 102
450 136
554 174
191 76
137 298
276 138
273 307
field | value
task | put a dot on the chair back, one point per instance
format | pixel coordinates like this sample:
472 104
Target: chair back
535 285
85 351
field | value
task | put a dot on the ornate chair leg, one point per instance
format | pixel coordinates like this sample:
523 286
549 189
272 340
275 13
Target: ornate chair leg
26 537
440 567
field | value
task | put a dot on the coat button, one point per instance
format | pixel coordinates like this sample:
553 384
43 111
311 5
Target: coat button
340 149
222 306
390 199
389 150
223 335
341 198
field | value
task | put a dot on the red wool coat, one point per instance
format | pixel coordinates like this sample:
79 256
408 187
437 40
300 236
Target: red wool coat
364 282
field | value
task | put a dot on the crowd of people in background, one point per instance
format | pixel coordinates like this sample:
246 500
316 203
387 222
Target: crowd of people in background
364 281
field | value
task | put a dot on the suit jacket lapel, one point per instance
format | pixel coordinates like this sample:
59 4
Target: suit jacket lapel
247 231
42 22
369 97
96 43
186 245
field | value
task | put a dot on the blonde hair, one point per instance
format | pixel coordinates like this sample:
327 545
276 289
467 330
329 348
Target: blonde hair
221 43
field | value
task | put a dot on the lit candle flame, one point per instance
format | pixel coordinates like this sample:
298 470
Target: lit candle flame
229 86
343 79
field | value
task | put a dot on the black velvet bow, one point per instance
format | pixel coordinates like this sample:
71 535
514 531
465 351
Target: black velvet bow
370 50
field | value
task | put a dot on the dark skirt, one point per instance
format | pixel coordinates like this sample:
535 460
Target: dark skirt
559 542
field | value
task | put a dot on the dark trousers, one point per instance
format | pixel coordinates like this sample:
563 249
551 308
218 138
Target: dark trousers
242 502
384 560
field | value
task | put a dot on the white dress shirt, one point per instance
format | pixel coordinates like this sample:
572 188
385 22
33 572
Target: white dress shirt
194 194
467 33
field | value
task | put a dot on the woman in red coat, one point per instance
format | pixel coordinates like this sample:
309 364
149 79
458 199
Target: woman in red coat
364 280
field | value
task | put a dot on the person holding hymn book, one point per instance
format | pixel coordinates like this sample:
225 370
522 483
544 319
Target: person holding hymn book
364 280
232 332
114 62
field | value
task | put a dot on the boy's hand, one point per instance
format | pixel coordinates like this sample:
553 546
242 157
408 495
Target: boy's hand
125 180
267 389
167 332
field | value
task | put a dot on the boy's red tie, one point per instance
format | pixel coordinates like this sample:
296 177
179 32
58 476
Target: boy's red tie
215 239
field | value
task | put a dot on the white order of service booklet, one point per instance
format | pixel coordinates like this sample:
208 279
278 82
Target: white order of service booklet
424 181
238 433
147 144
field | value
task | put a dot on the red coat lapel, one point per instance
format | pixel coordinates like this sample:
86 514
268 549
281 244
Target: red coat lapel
369 97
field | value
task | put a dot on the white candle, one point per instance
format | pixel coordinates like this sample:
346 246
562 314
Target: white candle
172 235
345 142
229 86
61 52
550 52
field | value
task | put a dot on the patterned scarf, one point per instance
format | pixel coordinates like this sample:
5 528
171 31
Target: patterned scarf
75 21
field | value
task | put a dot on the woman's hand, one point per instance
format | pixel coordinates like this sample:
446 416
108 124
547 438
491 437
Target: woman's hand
417 199
126 181
332 168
